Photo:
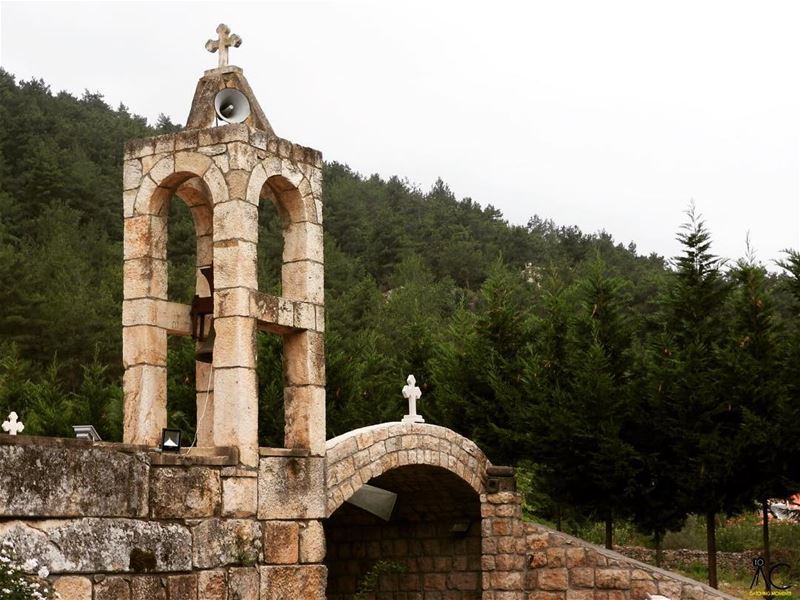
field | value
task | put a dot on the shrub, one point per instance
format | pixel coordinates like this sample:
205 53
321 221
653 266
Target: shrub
24 581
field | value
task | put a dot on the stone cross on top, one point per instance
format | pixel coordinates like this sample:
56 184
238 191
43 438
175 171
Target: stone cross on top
224 41
12 425
412 393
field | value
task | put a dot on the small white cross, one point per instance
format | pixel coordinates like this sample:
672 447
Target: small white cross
412 393
12 425
224 41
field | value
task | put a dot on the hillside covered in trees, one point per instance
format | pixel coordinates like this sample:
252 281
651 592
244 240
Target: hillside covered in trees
625 386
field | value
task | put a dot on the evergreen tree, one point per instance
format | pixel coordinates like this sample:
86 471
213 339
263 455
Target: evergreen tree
585 404
477 367
661 490
707 422
756 388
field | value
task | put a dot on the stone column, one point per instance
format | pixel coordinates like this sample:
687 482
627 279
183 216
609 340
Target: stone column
235 418
502 546
144 343
304 352
204 382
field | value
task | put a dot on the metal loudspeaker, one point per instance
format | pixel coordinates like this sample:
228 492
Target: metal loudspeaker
231 106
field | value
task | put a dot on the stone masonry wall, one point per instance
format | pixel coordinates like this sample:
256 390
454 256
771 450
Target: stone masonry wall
433 563
503 558
561 567
124 522
121 522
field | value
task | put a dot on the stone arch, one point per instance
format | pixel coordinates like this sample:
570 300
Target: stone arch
435 536
287 187
163 177
354 458
284 184
194 179
195 194
197 182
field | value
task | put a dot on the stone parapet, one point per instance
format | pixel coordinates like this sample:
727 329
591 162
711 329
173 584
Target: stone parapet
562 567
71 478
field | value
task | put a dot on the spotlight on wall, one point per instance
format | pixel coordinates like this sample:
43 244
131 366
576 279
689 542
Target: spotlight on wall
86 432
170 440
374 500
459 528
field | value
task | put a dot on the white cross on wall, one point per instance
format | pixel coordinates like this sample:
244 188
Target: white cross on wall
12 425
223 42
412 393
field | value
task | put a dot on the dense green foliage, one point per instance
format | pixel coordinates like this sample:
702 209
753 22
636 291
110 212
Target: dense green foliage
623 386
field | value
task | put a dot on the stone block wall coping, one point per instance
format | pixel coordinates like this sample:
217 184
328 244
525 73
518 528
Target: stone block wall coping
568 540
188 139
223 70
499 471
285 452
212 456
59 442
395 428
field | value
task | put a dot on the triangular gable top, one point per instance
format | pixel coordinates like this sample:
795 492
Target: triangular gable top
202 114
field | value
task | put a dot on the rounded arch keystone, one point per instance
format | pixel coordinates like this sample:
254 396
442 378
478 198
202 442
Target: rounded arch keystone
352 459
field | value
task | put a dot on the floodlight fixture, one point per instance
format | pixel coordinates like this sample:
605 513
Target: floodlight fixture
86 432
460 528
374 500
170 440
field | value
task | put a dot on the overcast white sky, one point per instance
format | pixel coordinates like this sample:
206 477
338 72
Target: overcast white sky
607 115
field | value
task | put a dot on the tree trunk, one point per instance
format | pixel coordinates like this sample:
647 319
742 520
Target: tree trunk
765 532
609 532
659 557
711 546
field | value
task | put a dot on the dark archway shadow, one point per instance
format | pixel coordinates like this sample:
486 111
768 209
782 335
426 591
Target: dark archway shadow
430 549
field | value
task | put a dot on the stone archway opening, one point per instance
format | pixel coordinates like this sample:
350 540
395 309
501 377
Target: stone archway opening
429 549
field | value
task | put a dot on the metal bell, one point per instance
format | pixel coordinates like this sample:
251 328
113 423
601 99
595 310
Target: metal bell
205 351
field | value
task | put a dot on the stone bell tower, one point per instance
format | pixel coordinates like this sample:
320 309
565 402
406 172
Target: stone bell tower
223 166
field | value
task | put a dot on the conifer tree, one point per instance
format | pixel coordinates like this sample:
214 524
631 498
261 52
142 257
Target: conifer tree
476 368
755 385
707 423
660 500
584 408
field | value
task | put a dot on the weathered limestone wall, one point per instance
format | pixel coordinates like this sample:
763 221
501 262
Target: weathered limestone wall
119 522
123 522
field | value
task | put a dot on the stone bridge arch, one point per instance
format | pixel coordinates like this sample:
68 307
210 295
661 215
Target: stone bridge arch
354 458
444 537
